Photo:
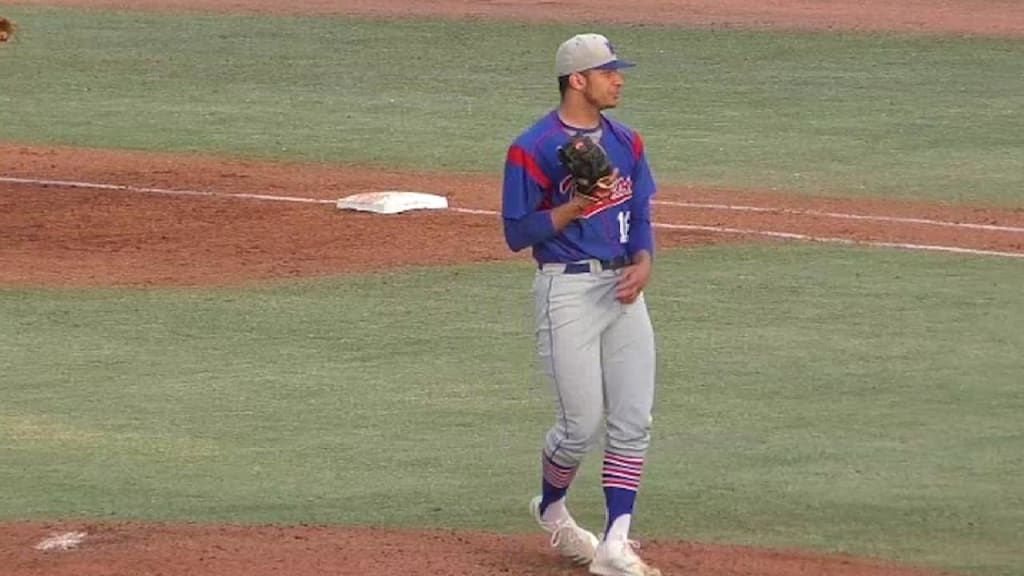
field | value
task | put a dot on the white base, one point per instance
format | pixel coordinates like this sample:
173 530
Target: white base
392 202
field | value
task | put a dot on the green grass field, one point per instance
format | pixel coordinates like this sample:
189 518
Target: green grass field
877 115
855 400
837 399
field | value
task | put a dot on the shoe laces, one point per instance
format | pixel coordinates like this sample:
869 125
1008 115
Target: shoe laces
565 532
630 549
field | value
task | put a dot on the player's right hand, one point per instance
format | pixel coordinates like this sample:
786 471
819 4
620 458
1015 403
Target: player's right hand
634 279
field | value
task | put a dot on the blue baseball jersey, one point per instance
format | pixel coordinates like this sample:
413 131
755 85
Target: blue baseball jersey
535 182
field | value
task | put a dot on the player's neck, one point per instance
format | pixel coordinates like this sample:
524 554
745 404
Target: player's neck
580 117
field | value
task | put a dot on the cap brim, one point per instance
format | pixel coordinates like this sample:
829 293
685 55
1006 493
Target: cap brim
614 65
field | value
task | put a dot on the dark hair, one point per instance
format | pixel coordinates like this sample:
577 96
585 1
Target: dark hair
563 85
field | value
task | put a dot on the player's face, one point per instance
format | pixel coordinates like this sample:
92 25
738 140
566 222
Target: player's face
603 88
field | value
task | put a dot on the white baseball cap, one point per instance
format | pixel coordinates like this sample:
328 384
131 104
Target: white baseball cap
587 52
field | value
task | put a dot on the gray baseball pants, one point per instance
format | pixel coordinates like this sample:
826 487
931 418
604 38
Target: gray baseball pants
599 356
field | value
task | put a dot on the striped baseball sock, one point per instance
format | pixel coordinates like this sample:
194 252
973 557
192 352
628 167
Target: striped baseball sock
553 489
621 481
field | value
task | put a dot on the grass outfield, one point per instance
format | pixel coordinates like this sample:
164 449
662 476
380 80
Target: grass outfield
818 397
873 115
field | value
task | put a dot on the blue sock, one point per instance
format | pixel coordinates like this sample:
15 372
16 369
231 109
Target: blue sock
619 501
550 494
620 477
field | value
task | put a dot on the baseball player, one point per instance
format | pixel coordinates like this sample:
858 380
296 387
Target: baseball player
577 191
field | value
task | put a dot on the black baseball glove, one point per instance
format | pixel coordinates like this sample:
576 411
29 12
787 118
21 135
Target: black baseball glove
589 166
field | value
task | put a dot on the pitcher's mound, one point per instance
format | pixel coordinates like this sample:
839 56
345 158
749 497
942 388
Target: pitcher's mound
94 549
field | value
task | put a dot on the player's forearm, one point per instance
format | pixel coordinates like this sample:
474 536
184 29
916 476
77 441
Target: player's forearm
540 226
564 214
641 238
528 230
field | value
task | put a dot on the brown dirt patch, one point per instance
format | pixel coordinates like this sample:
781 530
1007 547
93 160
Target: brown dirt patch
180 550
55 235
980 17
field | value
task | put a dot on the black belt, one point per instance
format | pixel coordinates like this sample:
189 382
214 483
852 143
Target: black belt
584 267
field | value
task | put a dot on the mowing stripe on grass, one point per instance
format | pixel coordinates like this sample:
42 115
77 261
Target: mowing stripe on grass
694 227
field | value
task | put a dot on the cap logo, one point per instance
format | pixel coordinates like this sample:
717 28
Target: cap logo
611 47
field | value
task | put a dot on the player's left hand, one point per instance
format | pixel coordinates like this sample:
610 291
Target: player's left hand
634 279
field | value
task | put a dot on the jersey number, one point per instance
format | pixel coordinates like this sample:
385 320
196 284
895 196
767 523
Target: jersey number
624 227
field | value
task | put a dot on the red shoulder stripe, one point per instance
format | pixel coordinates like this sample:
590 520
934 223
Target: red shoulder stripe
638 146
520 157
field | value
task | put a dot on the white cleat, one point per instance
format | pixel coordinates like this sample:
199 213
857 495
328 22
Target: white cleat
567 537
617 558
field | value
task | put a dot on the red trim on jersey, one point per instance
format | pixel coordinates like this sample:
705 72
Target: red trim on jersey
638 146
604 205
522 158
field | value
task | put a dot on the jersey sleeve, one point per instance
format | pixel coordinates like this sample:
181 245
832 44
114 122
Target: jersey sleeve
644 185
524 185
525 202
641 236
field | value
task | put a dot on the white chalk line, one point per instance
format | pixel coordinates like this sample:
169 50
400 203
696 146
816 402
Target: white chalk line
841 215
95 186
697 205
846 241
693 227
807 238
